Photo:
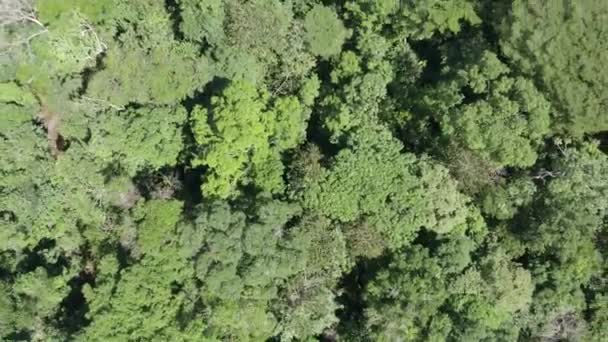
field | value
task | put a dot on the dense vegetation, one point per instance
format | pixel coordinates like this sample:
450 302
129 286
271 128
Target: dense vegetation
300 170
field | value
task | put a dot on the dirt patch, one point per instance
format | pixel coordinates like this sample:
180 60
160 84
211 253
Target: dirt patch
51 121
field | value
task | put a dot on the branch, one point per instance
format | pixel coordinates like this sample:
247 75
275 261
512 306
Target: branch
544 174
13 12
89 30
16 11
102 102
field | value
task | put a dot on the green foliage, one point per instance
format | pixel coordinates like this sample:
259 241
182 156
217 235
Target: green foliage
251 267
203 21
42 199
357 104
415 298
258 26
168 67
394 192
421 19
71 45
575 197
160 280
562 45
171 72
404 297
502 118
472 172
490 296
325 33
35 296
561 246
417 19
308 300
137 139
303 170
262 41
503 201
242 136
52 10
600 318
11 93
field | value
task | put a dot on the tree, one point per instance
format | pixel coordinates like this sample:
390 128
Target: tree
17 11
599 308
172 71
37 196
414 19
489 297
561 45
560 241
504 119
162 279
503 200
259 279
423 18
203 22
308 299
241 138
72 44
14 13
262 42
35 297
404 298
138 139
302 170
325 33
396 193
356 104
479 301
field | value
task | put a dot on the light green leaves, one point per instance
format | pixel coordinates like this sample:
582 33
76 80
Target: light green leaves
238 129
171 72
161 279
562 46
242 136
426 17
11 92
73 44
395 192
144 64
138 139
325 32
502 118
203 21
415 293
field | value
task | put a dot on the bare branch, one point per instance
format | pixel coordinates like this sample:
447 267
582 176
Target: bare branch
25 40
88 30
15 12
102 102
544 174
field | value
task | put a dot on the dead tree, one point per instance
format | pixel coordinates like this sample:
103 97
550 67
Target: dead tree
18 12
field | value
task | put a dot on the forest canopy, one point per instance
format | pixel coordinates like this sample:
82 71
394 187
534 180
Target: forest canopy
303 170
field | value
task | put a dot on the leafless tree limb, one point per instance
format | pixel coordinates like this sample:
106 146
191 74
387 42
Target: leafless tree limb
14 12
88 30
17 11
544 174
102 102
